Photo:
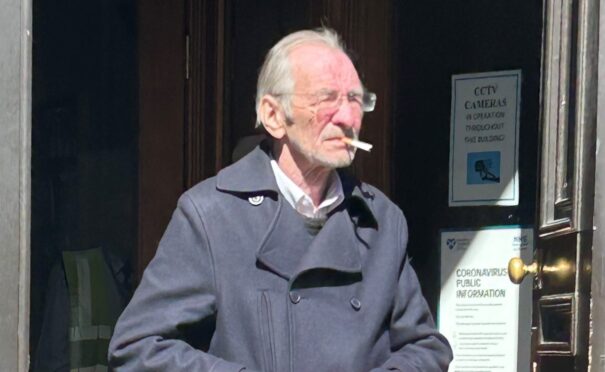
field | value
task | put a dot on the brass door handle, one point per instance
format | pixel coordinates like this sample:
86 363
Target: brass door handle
517 269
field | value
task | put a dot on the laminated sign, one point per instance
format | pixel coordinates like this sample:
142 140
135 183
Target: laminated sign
484 139
485 317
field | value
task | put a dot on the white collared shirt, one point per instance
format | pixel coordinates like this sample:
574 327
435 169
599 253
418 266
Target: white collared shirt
302 202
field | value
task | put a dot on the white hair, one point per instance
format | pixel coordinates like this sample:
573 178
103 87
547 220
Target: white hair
275 75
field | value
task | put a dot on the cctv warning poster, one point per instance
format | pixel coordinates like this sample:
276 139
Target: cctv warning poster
485 317
484 139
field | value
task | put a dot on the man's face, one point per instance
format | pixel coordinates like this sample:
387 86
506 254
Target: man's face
315 130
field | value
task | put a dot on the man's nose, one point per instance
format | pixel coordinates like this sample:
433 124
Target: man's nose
346 115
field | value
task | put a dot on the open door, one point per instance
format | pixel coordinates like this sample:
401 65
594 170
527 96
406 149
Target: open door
562 266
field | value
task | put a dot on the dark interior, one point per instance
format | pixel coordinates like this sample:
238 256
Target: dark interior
88 87
433 43
84 138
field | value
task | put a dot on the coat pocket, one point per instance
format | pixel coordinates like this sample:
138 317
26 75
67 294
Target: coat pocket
266 332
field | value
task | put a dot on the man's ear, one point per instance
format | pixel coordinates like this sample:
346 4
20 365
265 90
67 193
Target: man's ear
272 116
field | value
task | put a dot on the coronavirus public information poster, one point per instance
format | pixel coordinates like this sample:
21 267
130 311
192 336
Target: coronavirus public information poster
485 317
484 139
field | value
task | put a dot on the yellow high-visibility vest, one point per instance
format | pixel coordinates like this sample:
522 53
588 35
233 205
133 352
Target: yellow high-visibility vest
95 306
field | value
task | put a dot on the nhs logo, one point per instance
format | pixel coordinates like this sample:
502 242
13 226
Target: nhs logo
520 241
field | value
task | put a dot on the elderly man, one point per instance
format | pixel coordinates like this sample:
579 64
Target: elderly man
281 263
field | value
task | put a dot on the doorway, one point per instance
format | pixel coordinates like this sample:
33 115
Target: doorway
150 98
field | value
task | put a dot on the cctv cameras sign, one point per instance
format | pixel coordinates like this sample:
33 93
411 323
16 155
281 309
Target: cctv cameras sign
484 139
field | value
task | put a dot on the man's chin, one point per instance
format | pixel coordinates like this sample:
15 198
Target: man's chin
335 162
329 158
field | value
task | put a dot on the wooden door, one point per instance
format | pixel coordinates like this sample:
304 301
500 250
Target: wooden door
161 117
561 306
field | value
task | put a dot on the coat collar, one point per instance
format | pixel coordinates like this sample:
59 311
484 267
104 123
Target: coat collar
253 175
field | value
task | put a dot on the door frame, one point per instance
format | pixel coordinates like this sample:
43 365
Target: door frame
597 341
15 190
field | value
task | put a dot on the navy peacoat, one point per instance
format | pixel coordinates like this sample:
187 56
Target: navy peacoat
238 283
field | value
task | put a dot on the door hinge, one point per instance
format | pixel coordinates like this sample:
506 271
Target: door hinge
187 56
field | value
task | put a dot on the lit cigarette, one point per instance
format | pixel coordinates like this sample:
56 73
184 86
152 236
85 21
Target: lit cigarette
359 144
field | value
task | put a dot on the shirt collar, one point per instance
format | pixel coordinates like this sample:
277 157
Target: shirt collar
252 175
302 202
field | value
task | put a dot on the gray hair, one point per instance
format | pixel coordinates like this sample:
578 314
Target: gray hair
275 76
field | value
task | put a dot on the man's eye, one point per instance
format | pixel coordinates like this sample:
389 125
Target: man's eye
328 97
355 97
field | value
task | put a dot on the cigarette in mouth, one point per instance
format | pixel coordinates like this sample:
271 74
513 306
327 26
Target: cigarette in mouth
359 144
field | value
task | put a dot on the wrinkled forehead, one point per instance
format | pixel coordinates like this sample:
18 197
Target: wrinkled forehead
316 66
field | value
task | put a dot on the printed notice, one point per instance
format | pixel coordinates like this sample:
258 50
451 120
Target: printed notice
485 317
484 139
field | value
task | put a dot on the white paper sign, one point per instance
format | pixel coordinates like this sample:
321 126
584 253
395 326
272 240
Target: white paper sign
484 139
485 317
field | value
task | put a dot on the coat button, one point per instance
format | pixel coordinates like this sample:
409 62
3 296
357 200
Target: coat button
356 303
256 200
294 297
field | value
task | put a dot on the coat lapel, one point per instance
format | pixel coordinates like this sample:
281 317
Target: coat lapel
284 243
335 247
